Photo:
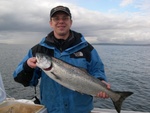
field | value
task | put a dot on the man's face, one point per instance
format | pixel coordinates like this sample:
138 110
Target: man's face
61 23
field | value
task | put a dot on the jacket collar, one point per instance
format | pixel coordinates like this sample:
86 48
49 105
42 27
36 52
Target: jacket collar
73 43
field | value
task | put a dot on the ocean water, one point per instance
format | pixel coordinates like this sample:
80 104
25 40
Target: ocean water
127 69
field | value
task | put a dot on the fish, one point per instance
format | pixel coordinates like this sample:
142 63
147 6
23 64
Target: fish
77 79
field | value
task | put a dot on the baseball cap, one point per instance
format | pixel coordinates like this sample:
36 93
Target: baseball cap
61 9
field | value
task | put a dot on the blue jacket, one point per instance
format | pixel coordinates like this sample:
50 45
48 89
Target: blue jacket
76 51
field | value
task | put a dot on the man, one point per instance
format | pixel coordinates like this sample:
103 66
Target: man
69 46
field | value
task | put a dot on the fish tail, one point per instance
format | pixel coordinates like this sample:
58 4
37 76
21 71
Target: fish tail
119 102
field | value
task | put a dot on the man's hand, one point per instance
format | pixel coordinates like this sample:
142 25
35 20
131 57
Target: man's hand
103 94
32 62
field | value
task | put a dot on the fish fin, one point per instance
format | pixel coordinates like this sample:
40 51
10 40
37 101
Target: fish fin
57 77
119 102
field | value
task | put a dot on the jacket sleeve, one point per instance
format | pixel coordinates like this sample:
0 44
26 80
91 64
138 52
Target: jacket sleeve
96 66
26 75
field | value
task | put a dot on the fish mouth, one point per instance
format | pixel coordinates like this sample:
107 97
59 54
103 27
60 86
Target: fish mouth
43 61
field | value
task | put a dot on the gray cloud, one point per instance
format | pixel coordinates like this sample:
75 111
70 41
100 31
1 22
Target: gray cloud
27 21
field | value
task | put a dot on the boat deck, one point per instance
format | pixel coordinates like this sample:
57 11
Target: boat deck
98 110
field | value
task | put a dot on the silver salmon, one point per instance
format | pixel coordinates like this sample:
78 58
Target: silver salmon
78 79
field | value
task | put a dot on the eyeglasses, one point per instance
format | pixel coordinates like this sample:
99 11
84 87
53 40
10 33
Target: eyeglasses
57 19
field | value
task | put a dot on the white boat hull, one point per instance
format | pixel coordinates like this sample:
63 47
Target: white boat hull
99 110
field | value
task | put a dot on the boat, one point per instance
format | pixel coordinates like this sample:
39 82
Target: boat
11 105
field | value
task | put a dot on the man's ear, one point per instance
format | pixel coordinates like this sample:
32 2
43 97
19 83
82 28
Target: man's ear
71 21
50 23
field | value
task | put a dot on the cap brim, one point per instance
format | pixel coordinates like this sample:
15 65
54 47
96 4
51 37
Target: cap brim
60 11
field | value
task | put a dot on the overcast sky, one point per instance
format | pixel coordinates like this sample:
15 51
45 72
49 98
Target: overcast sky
105 21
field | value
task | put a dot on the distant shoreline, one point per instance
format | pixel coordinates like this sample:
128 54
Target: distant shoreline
117 44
